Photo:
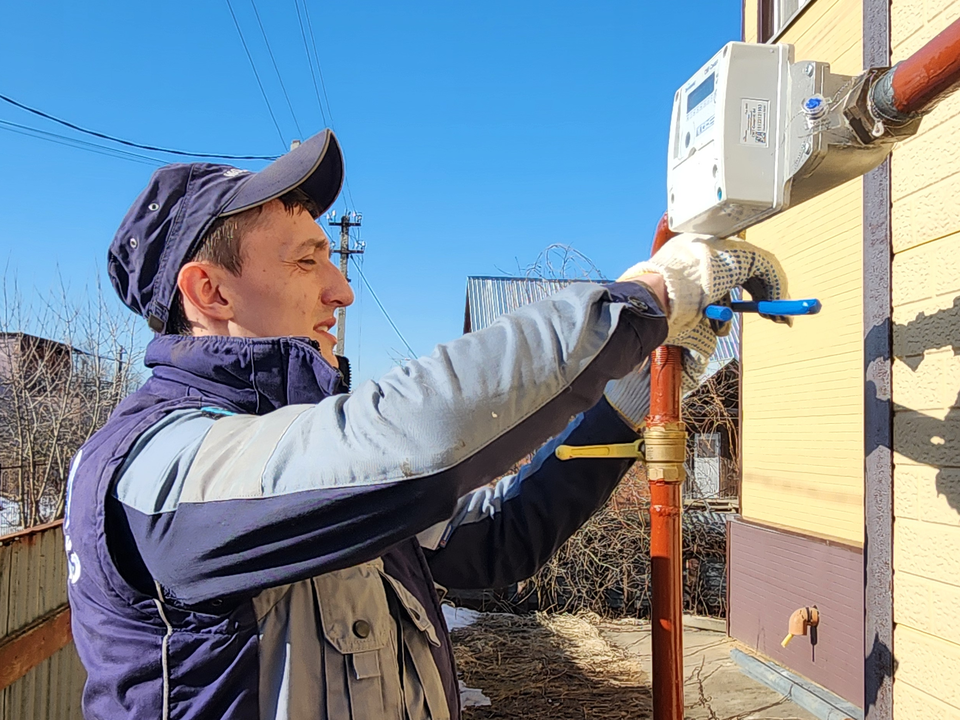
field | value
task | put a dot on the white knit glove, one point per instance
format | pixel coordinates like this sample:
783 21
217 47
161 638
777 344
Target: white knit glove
699 270
698 343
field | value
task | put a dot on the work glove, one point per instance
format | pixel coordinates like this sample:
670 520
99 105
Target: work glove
698 343
698 271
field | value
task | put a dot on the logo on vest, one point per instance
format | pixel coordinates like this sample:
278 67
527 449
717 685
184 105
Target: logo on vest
73 560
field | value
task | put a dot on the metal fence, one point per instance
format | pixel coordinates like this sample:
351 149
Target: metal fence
40 674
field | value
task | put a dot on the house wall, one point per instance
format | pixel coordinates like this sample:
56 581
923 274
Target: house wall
774 578
925 188
803 386
800 539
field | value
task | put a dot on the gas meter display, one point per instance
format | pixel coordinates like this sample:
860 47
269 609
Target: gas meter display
722 171
700 93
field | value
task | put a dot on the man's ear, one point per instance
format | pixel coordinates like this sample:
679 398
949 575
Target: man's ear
200 287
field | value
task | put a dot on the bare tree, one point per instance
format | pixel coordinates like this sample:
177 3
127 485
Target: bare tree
65 364
562 262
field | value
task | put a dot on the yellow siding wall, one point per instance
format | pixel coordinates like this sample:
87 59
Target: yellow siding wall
926 392
750 21
803 386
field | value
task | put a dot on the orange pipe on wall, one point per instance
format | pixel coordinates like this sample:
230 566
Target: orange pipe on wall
662 233
929 73
666 621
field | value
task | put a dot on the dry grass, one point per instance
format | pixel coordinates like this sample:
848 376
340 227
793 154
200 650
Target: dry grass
555 667
605 567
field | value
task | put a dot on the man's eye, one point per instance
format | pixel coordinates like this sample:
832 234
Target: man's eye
308 261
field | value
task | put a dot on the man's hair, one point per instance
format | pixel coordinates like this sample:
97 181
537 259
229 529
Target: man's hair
222 245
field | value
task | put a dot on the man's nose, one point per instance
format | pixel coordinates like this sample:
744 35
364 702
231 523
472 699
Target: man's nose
338 292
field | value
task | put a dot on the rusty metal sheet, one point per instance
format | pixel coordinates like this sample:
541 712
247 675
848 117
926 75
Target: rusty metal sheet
33 583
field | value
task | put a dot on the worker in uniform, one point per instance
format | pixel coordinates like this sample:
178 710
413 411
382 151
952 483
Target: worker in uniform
247 539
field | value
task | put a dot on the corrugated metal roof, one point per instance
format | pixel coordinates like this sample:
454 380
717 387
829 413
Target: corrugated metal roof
490 297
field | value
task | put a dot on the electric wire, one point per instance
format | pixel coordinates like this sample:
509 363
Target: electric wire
313 40
256 74
383 309
77 144
306 49
129 143
275 67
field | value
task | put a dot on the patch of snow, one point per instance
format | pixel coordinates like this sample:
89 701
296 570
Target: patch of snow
470 697
457 617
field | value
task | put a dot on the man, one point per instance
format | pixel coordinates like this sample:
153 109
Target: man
247 539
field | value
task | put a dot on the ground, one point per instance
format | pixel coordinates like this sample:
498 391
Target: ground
580 667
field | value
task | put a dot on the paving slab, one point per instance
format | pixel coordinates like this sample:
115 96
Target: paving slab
714 687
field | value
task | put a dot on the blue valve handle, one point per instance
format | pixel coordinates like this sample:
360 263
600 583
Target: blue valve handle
723 313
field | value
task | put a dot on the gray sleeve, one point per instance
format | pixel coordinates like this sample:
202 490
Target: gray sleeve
337 482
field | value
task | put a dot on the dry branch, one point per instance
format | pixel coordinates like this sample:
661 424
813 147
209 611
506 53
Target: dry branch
65 363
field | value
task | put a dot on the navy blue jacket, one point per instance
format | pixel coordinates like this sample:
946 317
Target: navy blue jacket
242 466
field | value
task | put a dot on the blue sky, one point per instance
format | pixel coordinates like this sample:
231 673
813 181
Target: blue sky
475 134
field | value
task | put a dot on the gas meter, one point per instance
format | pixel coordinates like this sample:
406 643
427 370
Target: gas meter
753 133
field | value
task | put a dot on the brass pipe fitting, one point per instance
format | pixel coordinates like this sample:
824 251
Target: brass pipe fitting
800 620
665 446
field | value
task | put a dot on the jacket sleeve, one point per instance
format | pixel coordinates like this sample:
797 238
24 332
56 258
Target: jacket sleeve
504 533
227 506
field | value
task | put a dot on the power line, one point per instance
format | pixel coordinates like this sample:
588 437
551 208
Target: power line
384 310
78 144
306 49
256 74
277 69
313 40
130 143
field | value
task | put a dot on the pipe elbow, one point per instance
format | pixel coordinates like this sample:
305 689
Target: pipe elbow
800 620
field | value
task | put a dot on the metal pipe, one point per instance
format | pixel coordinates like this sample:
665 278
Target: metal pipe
665 444
662 233
914 86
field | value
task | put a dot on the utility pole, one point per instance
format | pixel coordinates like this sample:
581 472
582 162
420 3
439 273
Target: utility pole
346 221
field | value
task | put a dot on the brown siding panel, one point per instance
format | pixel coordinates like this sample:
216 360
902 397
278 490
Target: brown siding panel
772 573
49 678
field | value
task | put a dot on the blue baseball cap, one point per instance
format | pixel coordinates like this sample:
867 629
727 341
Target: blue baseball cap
166 222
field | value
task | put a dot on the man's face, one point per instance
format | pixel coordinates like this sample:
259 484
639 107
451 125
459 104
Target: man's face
288 285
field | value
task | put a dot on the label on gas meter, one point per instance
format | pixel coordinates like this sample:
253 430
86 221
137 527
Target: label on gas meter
754 122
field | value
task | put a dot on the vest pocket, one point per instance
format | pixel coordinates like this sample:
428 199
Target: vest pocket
362 648
418 635
359 645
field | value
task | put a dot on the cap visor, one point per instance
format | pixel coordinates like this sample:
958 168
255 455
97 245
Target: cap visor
316 167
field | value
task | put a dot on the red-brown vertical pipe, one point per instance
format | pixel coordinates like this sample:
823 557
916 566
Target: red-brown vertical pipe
666 621
662 233
929 73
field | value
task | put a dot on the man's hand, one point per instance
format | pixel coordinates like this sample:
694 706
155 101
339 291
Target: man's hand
699 271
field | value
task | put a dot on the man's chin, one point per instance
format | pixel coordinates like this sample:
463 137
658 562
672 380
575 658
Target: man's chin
326 350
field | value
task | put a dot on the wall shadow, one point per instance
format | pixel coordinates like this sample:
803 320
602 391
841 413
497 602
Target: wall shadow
925 439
